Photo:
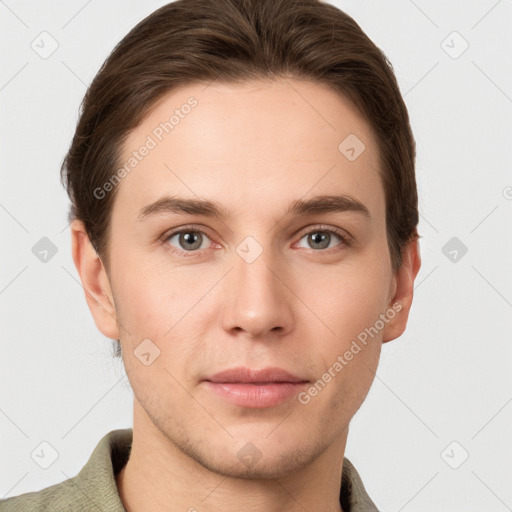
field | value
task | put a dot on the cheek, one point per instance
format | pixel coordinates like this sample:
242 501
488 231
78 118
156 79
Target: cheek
152 297
146 308
347 300
349 304
172 308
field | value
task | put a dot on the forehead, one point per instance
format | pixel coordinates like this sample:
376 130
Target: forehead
244 144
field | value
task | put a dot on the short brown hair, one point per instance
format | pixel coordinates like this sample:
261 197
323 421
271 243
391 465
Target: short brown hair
192 41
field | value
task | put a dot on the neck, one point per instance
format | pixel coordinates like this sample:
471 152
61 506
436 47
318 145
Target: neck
160 476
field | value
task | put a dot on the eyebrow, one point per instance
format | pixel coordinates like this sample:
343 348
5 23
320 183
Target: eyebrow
316 205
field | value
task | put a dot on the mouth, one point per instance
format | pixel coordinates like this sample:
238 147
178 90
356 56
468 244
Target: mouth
255 389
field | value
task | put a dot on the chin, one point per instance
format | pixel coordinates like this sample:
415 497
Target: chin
260 459
277 467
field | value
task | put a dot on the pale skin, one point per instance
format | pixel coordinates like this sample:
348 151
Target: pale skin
253 149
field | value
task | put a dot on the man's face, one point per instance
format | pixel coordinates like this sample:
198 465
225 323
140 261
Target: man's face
257 288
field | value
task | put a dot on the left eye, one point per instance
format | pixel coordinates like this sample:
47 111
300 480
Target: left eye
321 238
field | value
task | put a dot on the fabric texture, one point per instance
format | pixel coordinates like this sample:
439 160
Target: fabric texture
94 488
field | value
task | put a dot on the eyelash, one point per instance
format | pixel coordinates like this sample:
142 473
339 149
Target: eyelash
345 240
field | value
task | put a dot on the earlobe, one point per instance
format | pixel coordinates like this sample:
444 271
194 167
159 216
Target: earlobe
95 281
404 289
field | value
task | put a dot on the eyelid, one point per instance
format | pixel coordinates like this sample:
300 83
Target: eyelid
344 235
187 227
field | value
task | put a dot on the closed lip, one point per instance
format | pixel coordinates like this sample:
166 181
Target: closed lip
255 376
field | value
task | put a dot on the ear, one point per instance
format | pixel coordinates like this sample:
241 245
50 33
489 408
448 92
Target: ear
95 281
403 286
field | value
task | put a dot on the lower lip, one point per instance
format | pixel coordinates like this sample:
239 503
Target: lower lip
256 396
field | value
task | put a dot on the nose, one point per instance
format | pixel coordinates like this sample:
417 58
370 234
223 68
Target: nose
257 300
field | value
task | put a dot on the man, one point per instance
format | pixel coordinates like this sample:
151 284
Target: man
244 223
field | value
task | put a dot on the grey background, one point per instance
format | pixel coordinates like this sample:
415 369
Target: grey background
443 390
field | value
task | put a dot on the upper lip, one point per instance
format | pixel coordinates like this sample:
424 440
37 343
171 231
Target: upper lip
247 375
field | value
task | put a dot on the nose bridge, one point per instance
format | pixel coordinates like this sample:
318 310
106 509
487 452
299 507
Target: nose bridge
256 300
